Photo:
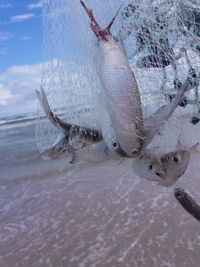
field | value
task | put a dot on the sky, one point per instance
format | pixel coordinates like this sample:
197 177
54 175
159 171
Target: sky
20 55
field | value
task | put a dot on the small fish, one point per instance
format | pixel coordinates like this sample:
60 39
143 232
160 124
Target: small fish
165 169
72 137
120 87
187 202
85 134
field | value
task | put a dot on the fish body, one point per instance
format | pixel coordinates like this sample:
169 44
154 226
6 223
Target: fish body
120 87
123 96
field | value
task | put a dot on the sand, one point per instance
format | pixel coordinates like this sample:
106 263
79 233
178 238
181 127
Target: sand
97 215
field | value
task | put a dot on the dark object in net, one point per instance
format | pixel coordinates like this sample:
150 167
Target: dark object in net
187 202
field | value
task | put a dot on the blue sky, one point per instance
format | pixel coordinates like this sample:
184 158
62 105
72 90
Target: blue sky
20 33
20 55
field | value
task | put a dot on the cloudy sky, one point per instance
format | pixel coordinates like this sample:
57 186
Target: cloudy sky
20 55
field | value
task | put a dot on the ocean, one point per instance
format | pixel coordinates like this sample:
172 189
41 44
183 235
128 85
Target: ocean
88 214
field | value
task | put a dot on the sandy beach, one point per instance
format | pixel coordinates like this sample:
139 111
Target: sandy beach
89 214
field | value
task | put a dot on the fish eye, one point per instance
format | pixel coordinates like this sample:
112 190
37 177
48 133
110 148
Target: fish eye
115 144
134 151
177 158
158 174
150 167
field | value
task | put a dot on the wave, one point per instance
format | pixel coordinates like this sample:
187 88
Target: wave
22 120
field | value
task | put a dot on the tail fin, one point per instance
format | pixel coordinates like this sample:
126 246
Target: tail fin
58 123
93 23
113 19
98 31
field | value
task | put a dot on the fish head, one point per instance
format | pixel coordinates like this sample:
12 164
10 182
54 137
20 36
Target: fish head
175 163
148 166
128 152
129 142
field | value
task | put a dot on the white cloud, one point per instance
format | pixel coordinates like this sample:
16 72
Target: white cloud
5 96
35 5
7 5
26 38
17 89
21 17
4 36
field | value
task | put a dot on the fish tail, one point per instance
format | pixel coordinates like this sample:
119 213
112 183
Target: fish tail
44 103
98 31
113 19
59 124
93 23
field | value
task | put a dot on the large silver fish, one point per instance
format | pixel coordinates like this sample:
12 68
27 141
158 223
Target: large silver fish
120 87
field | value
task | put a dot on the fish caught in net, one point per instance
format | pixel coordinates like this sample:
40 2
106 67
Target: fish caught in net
161 39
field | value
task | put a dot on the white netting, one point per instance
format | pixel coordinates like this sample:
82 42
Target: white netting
162 40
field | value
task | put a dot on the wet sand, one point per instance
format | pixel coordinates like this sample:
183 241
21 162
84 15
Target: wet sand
97 215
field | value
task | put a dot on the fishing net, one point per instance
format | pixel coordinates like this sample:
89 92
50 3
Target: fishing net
162 40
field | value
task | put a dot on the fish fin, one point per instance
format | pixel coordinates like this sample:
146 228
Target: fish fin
58 123
74 158
153 124
113 19
93 23
98 31
179 145
194 147
51 154
46 108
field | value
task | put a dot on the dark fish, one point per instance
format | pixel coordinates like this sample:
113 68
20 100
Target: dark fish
187 202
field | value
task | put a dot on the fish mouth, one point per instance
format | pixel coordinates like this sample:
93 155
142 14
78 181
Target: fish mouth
161 174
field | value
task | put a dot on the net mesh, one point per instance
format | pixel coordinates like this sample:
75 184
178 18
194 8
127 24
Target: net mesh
162 40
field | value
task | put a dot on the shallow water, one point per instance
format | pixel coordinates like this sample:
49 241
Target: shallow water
53 214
